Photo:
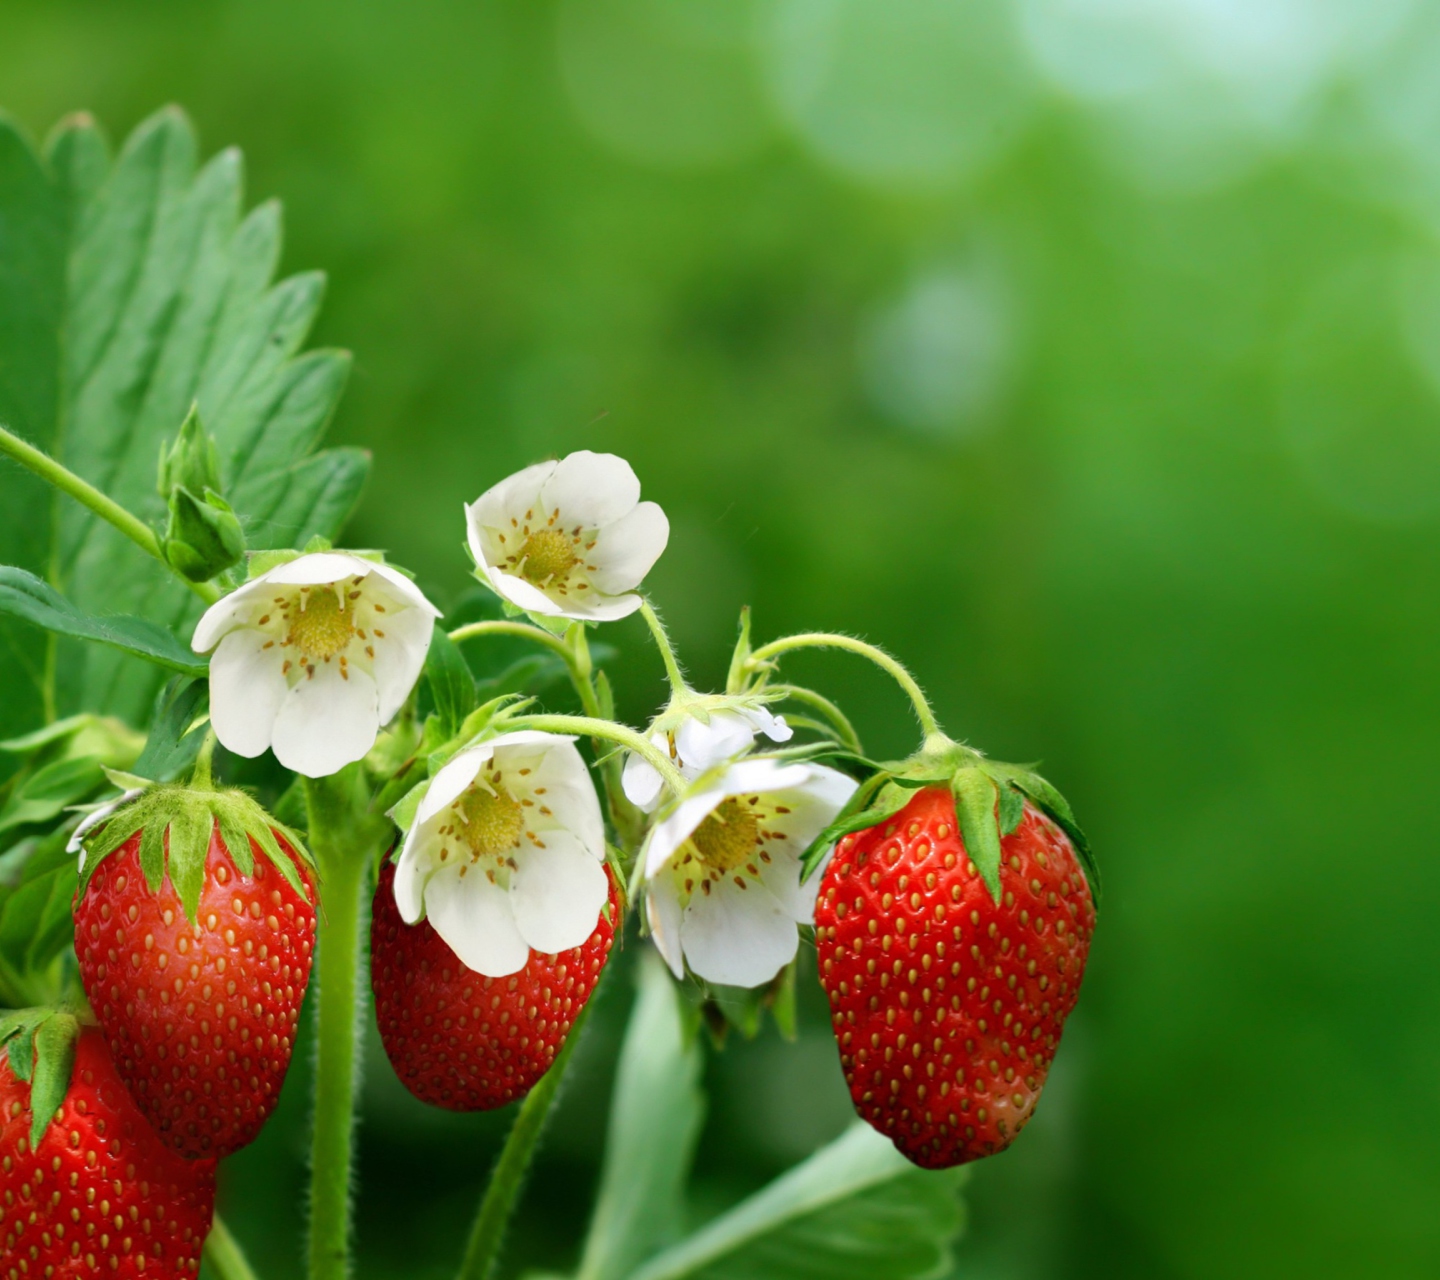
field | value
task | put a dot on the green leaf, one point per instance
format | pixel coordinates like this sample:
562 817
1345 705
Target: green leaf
131 290
655 1120
54 1061
45 794
172 745
975 801
451 684
25 596
855 1210
35 921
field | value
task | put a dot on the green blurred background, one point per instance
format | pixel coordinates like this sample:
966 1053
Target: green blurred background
1084 352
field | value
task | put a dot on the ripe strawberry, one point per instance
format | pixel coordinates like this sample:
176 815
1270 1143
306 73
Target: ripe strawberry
948 1005
197 978
458 1039
100 1194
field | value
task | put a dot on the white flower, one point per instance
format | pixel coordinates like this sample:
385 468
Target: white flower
507 853
568 539
97 815
313 657
723 869
696 747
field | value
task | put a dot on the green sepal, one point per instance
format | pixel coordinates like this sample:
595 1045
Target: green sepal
1012 808
54 1064
191 815
152 855
259 563
604 695
975 801
1048 798
402 814
880 797
735 679
191 460
40 1046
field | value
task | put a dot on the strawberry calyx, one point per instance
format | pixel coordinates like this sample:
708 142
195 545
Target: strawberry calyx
990 798
176 823
40 1045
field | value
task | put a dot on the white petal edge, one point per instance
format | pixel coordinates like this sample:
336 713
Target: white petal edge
319 568
326 722
738 937
641 782
410 876
701 747
227 613
667 835
474 918
627 550
591 489
556 894
511 497
400 657
662 910
247 691
450 782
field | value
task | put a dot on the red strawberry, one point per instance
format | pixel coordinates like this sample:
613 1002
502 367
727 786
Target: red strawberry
199 998
100 1195
458 1039
947 1005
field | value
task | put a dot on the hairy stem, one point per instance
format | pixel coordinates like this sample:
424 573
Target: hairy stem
344 837
839 721
505 627
487 1233
667 650
44 466
892 666
223 1254
611 732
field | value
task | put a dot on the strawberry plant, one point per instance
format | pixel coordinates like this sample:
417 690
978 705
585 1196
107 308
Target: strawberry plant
163 930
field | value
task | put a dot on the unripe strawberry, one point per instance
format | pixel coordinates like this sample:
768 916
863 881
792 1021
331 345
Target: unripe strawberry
463 1041
100 1194
947 1003
197 988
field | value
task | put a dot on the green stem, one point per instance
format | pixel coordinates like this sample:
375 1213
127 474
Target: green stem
502 627
202 777
827 640
343 836
44 466
667 650
611 732
503 1190
223 1254
839 721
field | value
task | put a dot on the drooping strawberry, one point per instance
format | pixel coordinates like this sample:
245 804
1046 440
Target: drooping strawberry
86 1186
463 1041
194 926
952 938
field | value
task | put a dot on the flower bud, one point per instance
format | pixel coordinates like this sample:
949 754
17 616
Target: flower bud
191 461
203 537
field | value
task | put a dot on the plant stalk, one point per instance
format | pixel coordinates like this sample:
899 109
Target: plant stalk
44 466
891 666
487 1233
223 1254
611 732
343 837
667 650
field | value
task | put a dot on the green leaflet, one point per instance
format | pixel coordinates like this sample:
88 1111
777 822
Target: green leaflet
44 795
855 1210
655 1120
451 685
25 596
131 289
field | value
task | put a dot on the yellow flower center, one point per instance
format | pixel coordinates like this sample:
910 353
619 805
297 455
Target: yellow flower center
547 555
321 629
490 822
727 837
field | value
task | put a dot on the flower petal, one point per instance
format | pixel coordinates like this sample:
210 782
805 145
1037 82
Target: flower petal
667 835
737 937
247 690
320 567
235 610
813 803
596 607
450 782
627 550
662 909
400 657
565 788
641 783
402 588
702 746
513 496
326 722
772 726
525 595
411 873
474 918
591 489
556 893
781 875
